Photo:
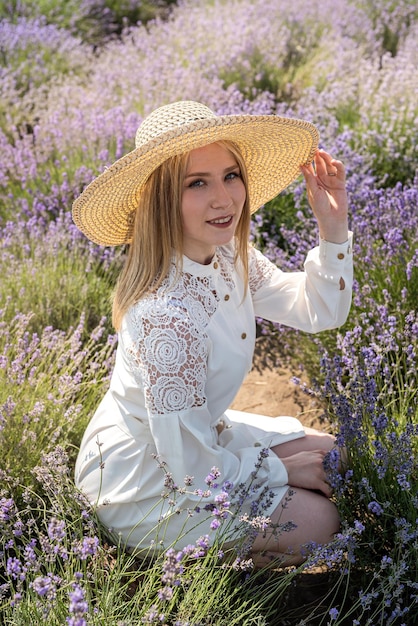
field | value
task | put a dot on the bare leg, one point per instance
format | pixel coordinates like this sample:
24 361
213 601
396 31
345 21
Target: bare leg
314 516
316 520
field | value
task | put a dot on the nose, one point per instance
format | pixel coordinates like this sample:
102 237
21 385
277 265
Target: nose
221 197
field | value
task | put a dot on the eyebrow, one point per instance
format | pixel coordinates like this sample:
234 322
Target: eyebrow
225 171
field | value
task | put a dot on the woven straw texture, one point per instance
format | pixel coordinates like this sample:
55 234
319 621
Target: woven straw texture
273 148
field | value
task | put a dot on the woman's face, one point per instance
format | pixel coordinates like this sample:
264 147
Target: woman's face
212 201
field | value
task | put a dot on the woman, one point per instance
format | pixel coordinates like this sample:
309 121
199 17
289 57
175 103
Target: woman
185 308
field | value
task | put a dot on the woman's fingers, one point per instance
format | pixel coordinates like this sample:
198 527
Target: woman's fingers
327 196
328 168
306 470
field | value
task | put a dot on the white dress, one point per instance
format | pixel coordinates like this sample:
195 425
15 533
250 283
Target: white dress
182 355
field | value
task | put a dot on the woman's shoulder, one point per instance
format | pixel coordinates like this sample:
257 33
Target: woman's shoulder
156 304
184 302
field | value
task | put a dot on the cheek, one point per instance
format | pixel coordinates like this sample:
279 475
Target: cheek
189 216
185 208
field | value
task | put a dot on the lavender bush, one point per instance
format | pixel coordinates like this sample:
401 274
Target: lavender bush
71 97
58 567
94 20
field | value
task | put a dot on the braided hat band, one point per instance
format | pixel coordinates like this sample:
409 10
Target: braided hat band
273 149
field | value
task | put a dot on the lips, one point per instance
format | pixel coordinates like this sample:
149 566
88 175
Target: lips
221 220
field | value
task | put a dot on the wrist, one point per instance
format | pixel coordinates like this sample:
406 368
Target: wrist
337 236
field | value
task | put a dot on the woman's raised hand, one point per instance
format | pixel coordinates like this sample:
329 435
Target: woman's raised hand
327 195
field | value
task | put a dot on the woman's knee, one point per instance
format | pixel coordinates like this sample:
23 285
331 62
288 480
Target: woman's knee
328 521
315 517
308 517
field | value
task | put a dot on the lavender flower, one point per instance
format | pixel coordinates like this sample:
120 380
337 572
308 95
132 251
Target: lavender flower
46 586
172 568
78 606
7 509
211 478
87 547
14 568
333 614
56 529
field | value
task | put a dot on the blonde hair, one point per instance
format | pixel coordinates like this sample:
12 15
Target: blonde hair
158 233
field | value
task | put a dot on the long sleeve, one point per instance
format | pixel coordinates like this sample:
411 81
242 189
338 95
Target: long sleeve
314 300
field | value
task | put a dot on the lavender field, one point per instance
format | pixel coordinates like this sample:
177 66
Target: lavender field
76 79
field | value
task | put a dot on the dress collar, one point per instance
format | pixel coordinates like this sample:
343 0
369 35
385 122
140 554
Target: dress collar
198 269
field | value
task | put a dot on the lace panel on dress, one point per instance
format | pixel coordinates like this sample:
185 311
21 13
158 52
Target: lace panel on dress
260 270
169 352
227 265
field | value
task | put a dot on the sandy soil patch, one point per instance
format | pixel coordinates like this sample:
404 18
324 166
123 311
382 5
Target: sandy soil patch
270 391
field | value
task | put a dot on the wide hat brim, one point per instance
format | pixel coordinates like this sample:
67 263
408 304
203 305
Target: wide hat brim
273 149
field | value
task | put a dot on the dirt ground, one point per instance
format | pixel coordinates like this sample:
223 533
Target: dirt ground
270 391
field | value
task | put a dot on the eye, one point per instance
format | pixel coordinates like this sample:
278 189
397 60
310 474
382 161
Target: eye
196 183
233 175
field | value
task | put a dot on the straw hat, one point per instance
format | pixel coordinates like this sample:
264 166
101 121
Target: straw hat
273 149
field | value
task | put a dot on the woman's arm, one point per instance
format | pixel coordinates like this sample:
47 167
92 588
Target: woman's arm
320 297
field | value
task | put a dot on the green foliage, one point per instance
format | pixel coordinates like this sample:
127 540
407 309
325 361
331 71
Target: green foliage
50 382
52 543
278 214
34 56
390 21
57 281
94 21
285 77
